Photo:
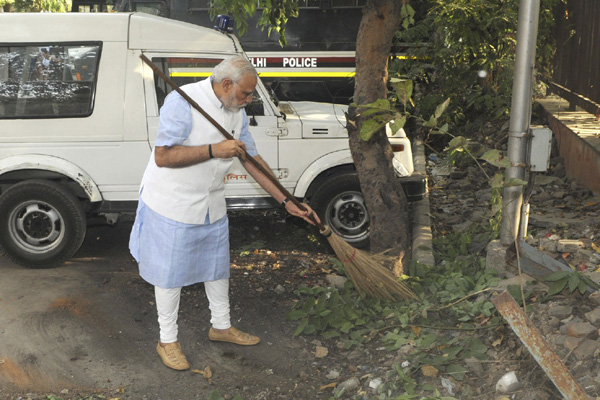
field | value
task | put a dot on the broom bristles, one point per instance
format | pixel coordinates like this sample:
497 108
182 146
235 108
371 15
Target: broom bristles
367 271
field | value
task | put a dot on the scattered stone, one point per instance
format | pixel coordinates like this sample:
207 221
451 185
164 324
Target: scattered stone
508 383
474 365
560 311
593 316
335 281
333 374
462 227
571 342
554 323
279 289
548 244
355 354
496 258
582 329
448 385
536 394
586 382
515 280
569 246
594 276
586 349
595 298
374 383
559 340
567 321
347 386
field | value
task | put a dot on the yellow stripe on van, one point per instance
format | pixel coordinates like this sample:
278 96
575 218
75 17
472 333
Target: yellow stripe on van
190 74
307 74
273 74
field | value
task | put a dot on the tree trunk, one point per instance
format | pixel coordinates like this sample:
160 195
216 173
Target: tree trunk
384 196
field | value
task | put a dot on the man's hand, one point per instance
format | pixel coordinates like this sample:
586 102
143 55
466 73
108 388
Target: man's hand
306 215
229 149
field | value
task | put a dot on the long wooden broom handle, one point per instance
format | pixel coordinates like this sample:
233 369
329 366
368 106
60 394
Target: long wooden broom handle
228 136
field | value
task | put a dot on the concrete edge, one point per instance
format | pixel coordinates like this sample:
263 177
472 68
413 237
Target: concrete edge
422 247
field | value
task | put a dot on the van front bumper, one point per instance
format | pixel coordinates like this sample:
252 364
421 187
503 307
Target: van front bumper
415 186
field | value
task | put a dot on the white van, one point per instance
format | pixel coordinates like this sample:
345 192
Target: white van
78 118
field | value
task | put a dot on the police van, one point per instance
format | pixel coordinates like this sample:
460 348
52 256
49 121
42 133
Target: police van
79 114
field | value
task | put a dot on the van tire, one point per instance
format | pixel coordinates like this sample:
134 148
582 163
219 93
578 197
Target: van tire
340 204
42 224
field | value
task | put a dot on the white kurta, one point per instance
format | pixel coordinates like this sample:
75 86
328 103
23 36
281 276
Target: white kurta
181 234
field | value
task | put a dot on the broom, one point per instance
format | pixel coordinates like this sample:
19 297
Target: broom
366 271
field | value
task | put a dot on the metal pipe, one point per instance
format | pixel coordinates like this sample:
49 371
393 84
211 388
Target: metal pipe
520 118
538 347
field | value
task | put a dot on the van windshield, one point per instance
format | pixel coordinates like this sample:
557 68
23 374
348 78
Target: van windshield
48 80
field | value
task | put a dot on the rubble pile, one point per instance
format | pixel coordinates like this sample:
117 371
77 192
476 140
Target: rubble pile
564 223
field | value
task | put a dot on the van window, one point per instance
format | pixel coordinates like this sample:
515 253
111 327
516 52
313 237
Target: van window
189 70
48 80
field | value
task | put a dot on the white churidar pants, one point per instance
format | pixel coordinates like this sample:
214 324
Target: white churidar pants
167 305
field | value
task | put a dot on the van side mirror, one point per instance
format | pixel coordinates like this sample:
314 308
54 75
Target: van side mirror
255 108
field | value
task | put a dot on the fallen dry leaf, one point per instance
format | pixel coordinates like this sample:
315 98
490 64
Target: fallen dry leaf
328 386
321 352
430 370
207 373
416 330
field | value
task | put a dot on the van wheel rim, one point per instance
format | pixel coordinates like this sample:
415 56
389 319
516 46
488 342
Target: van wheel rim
347 214
36 226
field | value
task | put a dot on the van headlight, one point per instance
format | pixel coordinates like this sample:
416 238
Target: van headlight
399 168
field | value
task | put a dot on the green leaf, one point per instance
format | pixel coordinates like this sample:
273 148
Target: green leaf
346 326
496 158
403 88
497 181
309 329
214 395
590 282
441 108
428 340
331 334
432 123
379 105
458 142
582 287
514 182
574 282
557 276
478 347
557 287
301 327
296 315
456 371
369 128
309 303
451 352
398 124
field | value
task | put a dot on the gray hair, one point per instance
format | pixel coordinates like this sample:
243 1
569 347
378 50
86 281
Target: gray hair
233 68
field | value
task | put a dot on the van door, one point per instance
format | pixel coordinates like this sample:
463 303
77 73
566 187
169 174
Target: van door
262 114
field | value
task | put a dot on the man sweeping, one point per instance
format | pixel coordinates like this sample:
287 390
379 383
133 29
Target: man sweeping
181 232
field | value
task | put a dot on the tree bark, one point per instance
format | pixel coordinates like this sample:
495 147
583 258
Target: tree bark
384 196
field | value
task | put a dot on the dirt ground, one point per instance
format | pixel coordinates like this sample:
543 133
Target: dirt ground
90 326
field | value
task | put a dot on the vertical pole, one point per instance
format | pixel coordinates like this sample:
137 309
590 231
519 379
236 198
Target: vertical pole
520 118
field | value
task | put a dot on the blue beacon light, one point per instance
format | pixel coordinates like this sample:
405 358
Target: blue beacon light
224 24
